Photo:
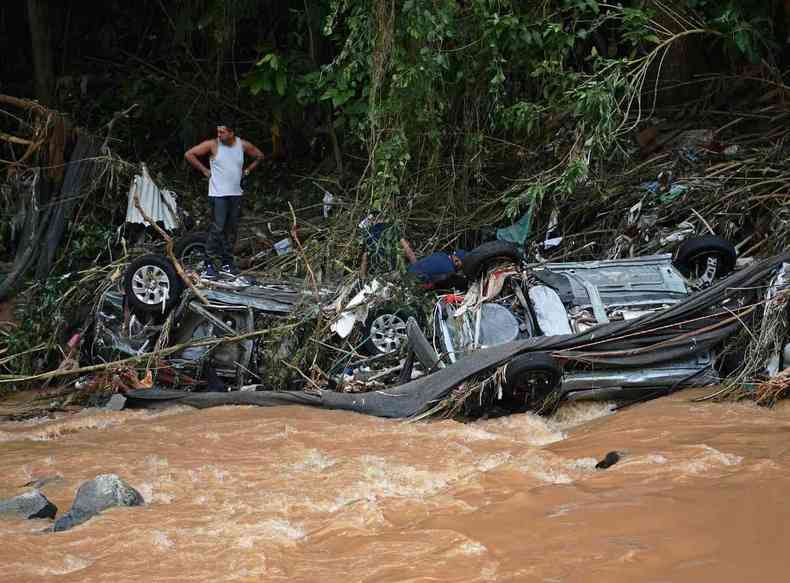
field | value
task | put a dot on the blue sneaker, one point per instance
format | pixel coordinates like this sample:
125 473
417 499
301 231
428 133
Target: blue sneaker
210 272
229 269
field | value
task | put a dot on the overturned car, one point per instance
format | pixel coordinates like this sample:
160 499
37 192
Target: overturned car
521 337
511 300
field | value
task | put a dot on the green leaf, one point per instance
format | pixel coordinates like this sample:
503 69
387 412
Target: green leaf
341 97
742 42
281 82
256 85
265 59
651 38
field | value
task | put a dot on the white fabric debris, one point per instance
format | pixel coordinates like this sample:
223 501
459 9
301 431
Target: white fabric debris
158 204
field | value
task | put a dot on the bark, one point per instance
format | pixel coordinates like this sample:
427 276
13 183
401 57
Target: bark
41 36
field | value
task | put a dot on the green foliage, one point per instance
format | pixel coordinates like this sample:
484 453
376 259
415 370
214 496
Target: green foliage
271 75
88 241
745 25
41 319
634 26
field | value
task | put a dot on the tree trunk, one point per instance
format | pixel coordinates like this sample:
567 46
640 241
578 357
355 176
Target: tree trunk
40 33
781 13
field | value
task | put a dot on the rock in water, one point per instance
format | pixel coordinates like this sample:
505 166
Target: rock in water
93 497
31 504
610 459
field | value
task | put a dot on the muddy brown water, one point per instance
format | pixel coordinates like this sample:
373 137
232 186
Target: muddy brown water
299 494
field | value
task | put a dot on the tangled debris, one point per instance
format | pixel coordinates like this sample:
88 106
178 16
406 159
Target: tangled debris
724 174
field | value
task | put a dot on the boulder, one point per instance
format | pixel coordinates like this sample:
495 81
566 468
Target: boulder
31 504
93 497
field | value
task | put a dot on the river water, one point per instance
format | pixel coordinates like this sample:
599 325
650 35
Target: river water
702 493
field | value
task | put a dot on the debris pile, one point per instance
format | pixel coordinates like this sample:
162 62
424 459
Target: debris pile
573 278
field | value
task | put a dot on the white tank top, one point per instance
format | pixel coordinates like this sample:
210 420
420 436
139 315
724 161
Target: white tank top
226 169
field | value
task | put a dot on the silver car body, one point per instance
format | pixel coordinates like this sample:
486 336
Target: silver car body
569 298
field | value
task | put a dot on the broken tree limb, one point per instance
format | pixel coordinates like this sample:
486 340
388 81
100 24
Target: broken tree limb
169 249
116 116
26 104
14 139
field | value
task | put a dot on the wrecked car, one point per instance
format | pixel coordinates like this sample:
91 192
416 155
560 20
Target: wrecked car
510 301
545 332
152 307
684 331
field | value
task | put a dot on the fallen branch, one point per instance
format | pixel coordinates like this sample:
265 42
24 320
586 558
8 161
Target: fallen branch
25 104
14 139
116 116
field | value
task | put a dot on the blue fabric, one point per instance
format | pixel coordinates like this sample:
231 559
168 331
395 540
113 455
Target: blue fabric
374 234
435 267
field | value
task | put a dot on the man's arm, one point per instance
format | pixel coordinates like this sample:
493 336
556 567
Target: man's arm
408 251
193 156
252 151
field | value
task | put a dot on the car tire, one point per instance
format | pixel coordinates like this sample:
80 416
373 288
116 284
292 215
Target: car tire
520 389
152 285
385 329
482 257
692 255
190 250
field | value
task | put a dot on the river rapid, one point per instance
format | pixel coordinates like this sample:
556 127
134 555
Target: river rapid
702 493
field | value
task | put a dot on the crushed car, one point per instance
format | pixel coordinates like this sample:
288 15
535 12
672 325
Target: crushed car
535 333
558 304
511 300
151 307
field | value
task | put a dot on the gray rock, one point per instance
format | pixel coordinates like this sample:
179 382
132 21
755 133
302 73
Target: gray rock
31 504
93 497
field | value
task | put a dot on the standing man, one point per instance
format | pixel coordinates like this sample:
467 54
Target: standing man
226 161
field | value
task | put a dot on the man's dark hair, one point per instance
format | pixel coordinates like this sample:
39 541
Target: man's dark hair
228 120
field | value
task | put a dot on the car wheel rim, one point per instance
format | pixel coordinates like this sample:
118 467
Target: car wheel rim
388 332
698 264
151 285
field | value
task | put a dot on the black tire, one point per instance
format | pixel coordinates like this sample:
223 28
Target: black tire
482 257
385 329
520 387
190 250
152 285
692 255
